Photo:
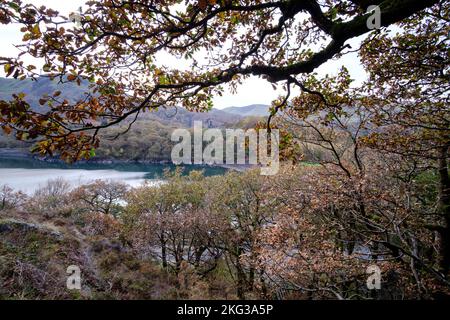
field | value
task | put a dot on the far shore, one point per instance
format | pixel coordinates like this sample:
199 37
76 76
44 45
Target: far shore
23 153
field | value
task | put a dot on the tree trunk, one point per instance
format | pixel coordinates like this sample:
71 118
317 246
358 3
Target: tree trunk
240 275
444 209
241 283
163 252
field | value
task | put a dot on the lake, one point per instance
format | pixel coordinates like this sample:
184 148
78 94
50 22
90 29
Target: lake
28 175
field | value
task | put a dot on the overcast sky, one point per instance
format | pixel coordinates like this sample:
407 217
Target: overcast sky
252 91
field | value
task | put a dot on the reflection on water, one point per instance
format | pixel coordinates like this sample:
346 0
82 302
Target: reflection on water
28 174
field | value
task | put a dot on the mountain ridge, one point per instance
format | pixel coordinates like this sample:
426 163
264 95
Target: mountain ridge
34 90
260 110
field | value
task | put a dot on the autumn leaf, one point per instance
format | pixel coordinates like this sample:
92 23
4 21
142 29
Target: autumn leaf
202 4
7 129
36 31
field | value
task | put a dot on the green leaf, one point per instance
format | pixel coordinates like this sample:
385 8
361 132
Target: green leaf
163 80
14 6
36 31
333 13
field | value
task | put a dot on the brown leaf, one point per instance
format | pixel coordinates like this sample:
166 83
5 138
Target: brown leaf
7 129
202 4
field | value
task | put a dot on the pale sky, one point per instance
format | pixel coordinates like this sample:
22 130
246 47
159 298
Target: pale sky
252 91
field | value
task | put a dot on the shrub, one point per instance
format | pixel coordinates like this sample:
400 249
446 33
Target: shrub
9 199
51 200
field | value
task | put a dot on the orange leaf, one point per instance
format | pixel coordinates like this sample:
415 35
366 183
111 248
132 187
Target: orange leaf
7 129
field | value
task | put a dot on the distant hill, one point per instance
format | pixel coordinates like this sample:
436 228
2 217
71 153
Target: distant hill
34 90
258 110
173 116
148 139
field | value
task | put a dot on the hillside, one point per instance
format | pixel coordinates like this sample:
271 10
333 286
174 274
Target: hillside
35 252
34 90
182 118
149 138
259 110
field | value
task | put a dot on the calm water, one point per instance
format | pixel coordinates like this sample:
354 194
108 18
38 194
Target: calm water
28 174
